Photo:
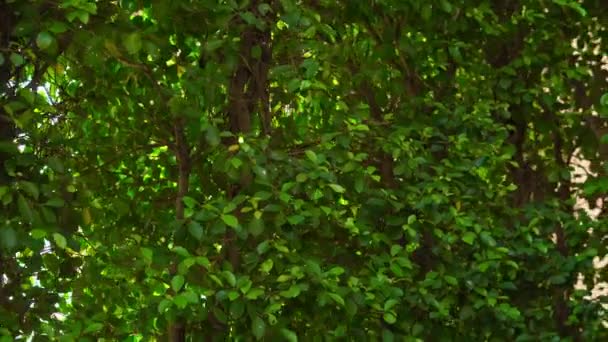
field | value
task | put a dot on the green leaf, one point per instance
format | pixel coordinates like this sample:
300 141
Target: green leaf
572 4
55 202
263 247
83 16
469 237
24 209
451 280
213 136
387 335
336 271
256 227
196 230
264 8
189 202
93 327
293 291
396 249
184 266
230 207
254 293
190 296
417 329
604 100
244 284
295 219
181 251
230 220
283 278
446 6
30 188
389 304
396 269
38 233
249 18
237 309
267 266
147 254
289 335
337 188
487 238
60 240
132 43
301 177
258 327
180 301
359 184
390 317
164 305
336 298
8 238
203 261
233 295
16 59
44 40
311 156
229 276
58 27
177 282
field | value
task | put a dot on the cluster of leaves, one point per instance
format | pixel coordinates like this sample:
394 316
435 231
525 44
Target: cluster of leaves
284 170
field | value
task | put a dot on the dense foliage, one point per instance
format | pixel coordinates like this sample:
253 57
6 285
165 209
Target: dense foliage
315 170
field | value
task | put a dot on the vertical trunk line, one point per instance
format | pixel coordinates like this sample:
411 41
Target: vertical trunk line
177 330
183 165
562 293
247 92
384 160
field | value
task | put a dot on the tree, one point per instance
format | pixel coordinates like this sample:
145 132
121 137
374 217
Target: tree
395 170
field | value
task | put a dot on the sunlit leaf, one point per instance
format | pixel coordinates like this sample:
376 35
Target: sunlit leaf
230 220
60 240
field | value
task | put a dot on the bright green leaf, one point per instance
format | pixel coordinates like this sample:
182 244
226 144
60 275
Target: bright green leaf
38 233
336 298
254 293
230 220
289 335
469 237
60 240
337 188
390 317
177 282
293 291
267 266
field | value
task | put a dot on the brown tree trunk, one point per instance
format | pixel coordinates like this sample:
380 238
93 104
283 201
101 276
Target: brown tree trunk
248 93
177 330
